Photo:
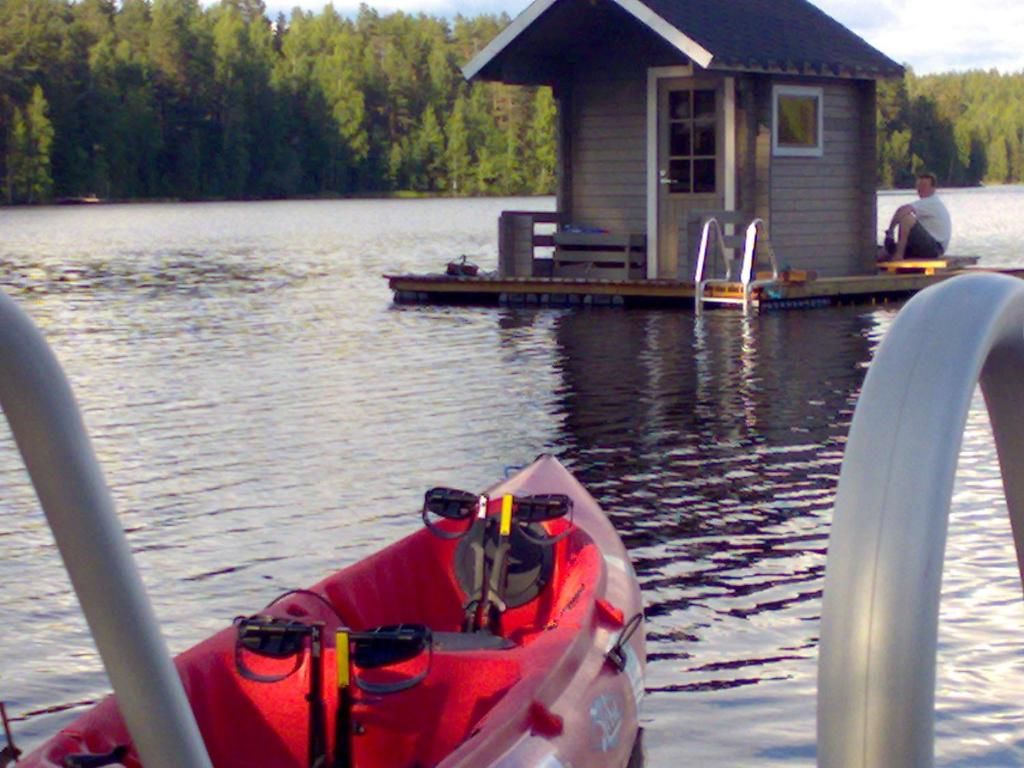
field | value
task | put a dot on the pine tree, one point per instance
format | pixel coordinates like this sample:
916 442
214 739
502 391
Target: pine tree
542 142
457 155
28 152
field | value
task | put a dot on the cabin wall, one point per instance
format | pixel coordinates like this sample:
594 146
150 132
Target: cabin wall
605 147
608 155
822 209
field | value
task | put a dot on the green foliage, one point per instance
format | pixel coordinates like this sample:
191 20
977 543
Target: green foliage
28 152
967 128
187 99
541 141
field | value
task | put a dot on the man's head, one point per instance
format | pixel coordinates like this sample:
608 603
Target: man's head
926 184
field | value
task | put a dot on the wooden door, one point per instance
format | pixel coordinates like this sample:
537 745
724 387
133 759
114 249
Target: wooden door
691 144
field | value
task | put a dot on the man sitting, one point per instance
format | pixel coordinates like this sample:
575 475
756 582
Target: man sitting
924 225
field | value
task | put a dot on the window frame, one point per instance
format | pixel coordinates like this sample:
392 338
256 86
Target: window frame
693 121
803 92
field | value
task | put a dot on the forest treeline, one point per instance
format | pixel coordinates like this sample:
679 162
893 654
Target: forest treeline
170 99
967 128
136 99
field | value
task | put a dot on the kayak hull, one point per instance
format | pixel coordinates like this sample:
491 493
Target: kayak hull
563 687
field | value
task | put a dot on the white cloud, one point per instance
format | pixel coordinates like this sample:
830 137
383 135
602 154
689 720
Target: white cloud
938 35
929 35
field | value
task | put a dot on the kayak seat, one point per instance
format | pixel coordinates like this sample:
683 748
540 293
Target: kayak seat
515 577
529 564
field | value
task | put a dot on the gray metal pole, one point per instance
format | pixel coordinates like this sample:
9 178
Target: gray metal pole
879 625
48 429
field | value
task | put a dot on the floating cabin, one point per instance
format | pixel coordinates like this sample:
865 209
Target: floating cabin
674 112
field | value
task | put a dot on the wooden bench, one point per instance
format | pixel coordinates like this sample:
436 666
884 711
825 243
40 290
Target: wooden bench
925 266
600 255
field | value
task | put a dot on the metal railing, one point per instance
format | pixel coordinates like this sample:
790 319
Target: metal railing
47 426
756 244
879 626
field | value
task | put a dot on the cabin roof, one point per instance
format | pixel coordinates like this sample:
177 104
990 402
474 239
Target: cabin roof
780 36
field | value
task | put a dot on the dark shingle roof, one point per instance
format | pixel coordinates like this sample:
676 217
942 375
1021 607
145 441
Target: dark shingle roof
773 35
747 35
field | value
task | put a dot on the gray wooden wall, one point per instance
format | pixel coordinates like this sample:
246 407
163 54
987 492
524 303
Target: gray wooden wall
609 148
822 209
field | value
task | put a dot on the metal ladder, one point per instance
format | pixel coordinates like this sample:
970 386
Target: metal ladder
883 576
744 291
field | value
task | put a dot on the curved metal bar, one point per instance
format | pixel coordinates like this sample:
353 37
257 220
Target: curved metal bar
756 229
712 227
48 429
876 667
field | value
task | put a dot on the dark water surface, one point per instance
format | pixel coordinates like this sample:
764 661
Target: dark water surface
265 414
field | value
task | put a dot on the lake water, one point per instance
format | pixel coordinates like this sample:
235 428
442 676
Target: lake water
265 414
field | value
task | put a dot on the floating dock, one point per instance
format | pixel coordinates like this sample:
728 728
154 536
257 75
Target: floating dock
893 283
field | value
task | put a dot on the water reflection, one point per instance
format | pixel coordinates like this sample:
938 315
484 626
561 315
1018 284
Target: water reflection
151 274
715 443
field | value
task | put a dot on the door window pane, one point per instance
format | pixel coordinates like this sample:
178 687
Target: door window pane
703 176
679 175
680 139
704 104
704 140
679 105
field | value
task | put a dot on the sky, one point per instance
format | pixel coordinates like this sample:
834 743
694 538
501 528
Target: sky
929 35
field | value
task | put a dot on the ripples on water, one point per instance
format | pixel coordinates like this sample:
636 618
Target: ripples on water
265 414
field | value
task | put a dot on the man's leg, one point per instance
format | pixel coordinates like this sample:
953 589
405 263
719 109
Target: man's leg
905 223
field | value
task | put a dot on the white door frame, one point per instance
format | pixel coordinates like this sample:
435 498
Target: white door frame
654 75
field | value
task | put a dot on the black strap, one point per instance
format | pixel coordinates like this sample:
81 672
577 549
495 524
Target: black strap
116 755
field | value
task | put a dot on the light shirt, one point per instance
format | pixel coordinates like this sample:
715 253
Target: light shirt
934 217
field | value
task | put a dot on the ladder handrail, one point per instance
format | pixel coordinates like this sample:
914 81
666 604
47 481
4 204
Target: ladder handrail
879 624
754 232
47 426
711 227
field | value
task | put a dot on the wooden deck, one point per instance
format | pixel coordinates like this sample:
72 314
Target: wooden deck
551 291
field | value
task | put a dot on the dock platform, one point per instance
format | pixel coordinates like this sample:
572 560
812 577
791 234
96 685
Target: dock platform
892 284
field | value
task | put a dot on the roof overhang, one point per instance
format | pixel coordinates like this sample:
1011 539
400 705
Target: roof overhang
670 34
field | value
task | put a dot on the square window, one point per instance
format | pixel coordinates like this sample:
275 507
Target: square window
797 121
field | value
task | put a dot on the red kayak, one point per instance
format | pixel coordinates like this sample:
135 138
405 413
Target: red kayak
508 632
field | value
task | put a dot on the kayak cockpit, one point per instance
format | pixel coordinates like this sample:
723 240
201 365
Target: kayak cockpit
273 701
